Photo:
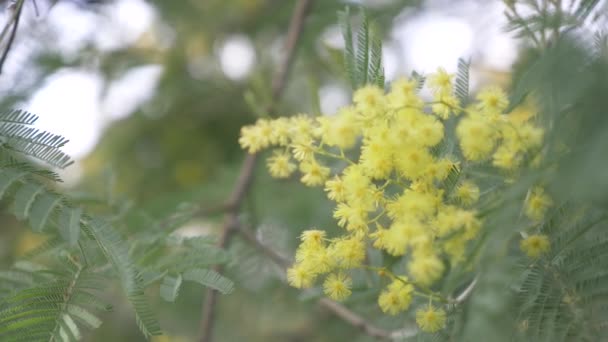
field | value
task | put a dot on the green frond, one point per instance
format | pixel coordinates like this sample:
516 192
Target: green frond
24 198
69 225
50 311
420 79
376 71
18 116
210 279
41 210
114 248
349 51
363 65
21 139
169 288
461 85
362 53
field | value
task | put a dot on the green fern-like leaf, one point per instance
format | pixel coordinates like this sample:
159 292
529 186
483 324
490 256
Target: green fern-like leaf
114 248
18 116
349 51
18 137
363 65
169 288
362 54
50 311
461 85
210 279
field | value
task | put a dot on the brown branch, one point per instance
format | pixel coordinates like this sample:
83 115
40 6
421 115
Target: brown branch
235 200
15 22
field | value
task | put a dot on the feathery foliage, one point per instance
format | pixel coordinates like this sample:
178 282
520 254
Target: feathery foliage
55 303
363 65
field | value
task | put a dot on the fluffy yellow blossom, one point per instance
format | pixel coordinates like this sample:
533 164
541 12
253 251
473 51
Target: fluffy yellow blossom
440 82
506 158
337 286
492 99
280 165
430 319
349 253
253 139
427 131
402 234
313 236
412 204
391 182
535 245
537 204
376 157
426 268
477 137
340 130
300 277
412 162
370 102
467 193
445 105
301 128
335 189
280 134
396 297
313 173
351 217
303 150
404 94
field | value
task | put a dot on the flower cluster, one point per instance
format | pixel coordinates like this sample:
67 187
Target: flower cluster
398 182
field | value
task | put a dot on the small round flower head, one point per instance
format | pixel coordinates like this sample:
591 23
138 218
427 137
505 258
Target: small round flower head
535 245
370 101
477 137
396 297
352 217
313 236
337 286
349 253
492 99
280 132
280 165
403 94
426 268
446 105
430 319
335 189
255 137
313 173
441 82
300 277
467 193
303 150
537 204
340 130
506 158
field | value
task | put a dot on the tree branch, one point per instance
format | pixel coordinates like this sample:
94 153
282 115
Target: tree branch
235 199
11 38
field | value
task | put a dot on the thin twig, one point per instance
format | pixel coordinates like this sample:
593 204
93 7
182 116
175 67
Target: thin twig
246 175
11 38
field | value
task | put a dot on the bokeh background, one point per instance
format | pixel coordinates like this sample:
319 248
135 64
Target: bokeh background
152 95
